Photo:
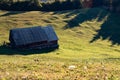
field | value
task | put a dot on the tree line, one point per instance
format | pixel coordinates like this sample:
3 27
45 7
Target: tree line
28 5
19 5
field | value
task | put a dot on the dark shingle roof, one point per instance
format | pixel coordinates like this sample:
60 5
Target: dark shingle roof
50 33
23 36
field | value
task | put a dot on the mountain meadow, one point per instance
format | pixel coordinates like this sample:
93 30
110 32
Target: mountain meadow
88 39
89 45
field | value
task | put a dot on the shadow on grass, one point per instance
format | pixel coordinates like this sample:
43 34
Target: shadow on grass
13 13
110 30
85 15
4 50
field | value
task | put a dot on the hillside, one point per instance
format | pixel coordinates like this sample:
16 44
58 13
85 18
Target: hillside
88 39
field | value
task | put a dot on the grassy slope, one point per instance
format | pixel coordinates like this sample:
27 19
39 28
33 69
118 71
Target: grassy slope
97 60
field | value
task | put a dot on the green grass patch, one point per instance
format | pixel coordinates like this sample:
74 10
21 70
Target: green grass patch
88 39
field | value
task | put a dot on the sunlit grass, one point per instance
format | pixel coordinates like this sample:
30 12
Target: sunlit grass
99 60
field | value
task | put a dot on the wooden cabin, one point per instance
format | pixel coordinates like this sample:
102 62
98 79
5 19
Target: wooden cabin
33 37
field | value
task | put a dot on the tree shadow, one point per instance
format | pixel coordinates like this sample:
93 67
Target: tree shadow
85 15
12 13
5 50
110 30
